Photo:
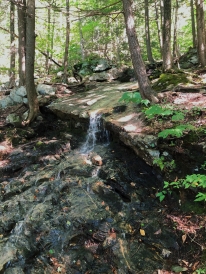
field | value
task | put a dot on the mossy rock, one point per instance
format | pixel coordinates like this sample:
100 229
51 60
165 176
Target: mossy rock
170 80
191 206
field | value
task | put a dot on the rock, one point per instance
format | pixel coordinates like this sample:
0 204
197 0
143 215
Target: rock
189 59
97 160
5 102
102 65
43 89
14 119
14 270
15 97
21 91
127 75
109 75
93 65
7 253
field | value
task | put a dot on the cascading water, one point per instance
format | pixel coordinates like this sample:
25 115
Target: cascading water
95 128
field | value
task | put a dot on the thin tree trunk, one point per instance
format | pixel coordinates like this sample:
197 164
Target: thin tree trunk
201 32
167 57
158 23
83 53
138 64
175 50
194 36
48 38
22 40
12 46
66 52
30 56
52 36
147 32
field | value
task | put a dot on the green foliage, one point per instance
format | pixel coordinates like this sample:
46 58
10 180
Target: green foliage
175 132
159 111
134 97
194 181
200 271
163 164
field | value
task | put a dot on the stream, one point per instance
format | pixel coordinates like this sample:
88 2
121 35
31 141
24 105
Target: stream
81 204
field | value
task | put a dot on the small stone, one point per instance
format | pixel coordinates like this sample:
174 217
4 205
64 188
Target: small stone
97 160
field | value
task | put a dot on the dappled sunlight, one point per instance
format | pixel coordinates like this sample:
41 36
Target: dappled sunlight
126 118
130 128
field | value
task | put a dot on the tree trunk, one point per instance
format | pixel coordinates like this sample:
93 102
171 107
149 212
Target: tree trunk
158 23
12 46
175 46
147 33
167 57
22 40
201 32
82 42
30 53
48 39
138 64
66 52
194 36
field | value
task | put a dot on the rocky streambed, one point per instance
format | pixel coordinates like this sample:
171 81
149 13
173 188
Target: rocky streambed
67 209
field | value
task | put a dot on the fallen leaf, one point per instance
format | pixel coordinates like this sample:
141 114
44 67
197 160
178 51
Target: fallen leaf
184 238
165 252
178 268
195 265
185 262
158 232
142 232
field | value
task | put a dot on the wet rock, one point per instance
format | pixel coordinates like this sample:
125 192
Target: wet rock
97 160
14 270
7 254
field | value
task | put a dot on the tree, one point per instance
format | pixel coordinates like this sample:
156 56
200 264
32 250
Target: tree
21 8
159 25
201 32
135 51
147 32
194 36
167 57
12 46
30 53
175 45
66 51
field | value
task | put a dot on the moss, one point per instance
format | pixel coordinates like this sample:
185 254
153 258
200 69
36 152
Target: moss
191 206
170 79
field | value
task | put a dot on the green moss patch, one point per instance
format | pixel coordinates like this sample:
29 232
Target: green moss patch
170 80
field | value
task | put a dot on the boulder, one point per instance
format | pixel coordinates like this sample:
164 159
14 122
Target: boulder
5 102
43 89
21 91
93 65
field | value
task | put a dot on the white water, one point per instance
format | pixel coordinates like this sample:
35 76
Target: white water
94 128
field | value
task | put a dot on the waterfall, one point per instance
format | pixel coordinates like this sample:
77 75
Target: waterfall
95 129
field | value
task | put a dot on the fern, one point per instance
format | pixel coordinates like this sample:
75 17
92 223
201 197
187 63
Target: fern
175 132
178 116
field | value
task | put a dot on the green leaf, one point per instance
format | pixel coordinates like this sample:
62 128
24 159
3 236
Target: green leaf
179 268
200 197
179 116
153 110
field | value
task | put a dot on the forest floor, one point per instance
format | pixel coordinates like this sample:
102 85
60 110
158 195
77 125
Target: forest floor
176 245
